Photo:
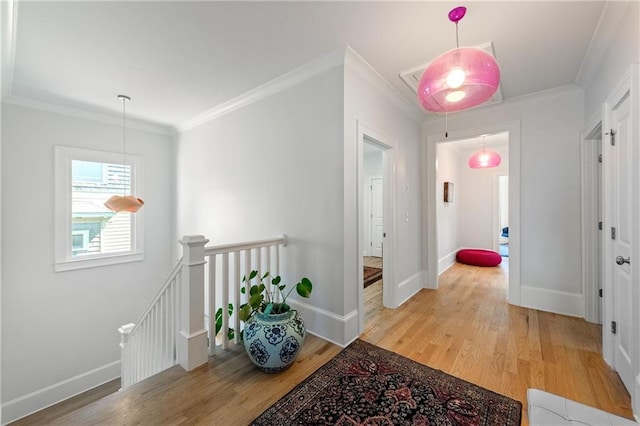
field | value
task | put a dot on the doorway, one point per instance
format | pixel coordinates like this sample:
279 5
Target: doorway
376 229
373 203
432 161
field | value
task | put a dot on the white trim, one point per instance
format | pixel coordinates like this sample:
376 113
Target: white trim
358 64
635 403
555 91
446 262
337 329
64 261
601 38
105 117
278 84
559 302
591 236
409 287
35 401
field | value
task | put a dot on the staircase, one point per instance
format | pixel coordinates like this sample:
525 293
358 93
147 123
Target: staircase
179 325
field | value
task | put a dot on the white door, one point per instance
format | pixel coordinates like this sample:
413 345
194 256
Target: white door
377 232
622 215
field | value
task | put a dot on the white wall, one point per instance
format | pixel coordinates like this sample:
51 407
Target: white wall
369 100
59 330
550 126
478 195
615 47
448 159
271 167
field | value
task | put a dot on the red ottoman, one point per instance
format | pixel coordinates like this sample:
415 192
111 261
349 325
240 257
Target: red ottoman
478 257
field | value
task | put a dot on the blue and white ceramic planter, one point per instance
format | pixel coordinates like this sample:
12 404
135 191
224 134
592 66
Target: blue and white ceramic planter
273 341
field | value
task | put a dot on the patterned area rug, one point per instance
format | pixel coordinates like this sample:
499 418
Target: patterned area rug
367 385
371 275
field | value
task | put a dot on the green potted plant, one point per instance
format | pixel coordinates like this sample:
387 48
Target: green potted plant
273 333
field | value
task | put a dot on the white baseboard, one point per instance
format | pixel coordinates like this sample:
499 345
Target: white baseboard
558 302
636 400
338 329
46 397
447 261
409 287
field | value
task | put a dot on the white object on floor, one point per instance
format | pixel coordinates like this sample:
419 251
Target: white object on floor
547 409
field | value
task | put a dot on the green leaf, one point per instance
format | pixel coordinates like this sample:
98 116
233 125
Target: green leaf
231 334
243 290
245 312
256 300
304 287
276 280
282 287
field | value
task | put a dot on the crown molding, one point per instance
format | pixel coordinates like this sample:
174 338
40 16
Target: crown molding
612 13
278 84
132 123
357 63
556 91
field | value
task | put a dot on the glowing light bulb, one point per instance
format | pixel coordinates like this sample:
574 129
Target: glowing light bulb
456 96
455 78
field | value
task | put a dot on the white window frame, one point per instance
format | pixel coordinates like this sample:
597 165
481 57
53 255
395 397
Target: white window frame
64 259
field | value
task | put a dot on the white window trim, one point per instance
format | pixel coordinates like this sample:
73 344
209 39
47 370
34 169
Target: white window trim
64 261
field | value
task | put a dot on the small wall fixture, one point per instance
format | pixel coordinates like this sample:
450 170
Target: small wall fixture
460 78
124 203
484 158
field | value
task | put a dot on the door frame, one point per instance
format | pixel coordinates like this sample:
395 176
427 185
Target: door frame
592 212
430 159
388 146
630 83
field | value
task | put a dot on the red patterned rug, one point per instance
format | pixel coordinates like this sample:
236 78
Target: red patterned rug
367 385
371 275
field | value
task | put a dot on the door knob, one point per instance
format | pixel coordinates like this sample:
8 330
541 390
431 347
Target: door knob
621 260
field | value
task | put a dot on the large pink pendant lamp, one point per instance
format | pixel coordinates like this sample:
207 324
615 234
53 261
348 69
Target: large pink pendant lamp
460 78
484 158
124 203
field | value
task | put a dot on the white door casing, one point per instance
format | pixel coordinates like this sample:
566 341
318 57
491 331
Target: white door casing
621 198
377 216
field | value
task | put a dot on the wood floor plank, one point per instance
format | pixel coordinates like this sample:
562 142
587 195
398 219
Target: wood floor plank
465 328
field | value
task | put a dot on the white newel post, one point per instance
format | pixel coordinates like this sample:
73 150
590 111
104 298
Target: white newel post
192 345
125 355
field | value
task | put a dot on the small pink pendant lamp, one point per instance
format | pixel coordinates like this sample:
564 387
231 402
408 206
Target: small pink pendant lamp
122 203
484 158
460 78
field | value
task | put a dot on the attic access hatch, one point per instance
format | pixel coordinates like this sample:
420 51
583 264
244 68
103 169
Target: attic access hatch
412 77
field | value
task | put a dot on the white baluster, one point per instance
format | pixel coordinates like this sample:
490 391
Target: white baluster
225 300
236 295
212 304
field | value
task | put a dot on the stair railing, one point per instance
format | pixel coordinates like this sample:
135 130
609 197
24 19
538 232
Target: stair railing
179 325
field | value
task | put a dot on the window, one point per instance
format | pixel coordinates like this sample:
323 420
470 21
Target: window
87 233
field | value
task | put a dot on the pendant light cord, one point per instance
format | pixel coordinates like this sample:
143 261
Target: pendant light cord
457 43
124 98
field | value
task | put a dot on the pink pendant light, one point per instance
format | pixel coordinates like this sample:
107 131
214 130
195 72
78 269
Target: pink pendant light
460 78
122 203
484 158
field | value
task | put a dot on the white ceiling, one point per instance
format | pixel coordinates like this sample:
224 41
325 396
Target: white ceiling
179 59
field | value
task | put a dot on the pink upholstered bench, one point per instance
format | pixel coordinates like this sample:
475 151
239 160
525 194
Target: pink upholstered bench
478 257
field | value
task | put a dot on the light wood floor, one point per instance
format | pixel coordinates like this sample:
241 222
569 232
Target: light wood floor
465 328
